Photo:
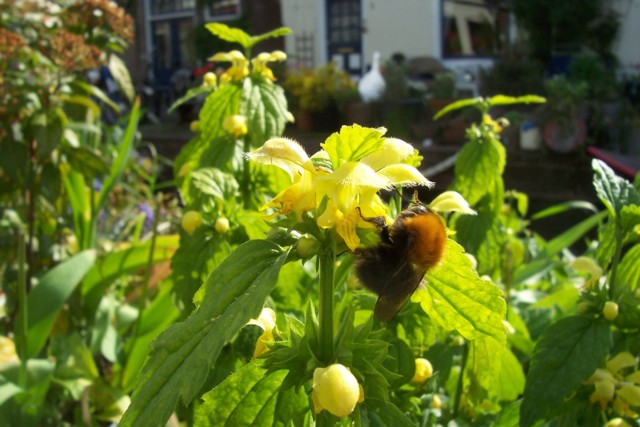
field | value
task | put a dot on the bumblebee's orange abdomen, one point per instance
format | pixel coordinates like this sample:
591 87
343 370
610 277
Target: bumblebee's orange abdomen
428 238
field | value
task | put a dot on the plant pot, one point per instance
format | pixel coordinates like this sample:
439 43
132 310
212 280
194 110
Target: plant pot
565 136
530 136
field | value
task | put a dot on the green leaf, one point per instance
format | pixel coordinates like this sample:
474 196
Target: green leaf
266 110
194 92
510 100
629 269
555 246
278 32
252 397
564 207
46 300
96 92
124 153
233 35
568 352
236 35
215 183
222 103
89 163
46 128
352 143
128 260
479 165
614 191
386 415
183 355
458 105
8 390
457 299
121 75
629 218
510 381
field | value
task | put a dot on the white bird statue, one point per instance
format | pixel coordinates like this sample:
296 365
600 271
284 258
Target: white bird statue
372 85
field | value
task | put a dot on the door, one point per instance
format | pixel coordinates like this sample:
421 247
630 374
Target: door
344 34
173 48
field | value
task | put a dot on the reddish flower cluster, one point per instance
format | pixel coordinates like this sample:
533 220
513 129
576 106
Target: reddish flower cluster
70 52
90 14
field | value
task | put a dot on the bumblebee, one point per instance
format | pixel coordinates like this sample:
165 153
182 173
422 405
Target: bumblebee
394 268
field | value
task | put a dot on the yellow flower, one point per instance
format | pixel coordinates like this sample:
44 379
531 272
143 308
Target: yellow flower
239 65
349 191
424 371
267 321
610 385
7 351
336 390
495 125
589 266
191 221
451 201
260 62
236 125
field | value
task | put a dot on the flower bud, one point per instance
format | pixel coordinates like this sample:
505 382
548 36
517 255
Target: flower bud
451 201
617 422
222 225
210 79
191 221
336 390
307 246
424 370
236 125
610 310
436 402
195 126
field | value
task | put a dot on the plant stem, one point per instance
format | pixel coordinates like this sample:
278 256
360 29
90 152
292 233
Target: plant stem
147 274
326 259
463 363
616 260
21 340
246 175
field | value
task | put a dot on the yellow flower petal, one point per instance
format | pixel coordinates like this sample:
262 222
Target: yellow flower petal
604 392
587 265
357 174
451 201
621 361
284 153
393 151
630 393
405 175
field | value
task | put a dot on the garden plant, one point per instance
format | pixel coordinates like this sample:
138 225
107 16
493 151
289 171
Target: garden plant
281 287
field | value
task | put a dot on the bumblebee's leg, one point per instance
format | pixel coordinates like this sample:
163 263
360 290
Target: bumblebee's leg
380 223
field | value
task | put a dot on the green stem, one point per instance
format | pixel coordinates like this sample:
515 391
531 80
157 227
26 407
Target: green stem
246 176
147 274
21 341
326 260
616 260
463 363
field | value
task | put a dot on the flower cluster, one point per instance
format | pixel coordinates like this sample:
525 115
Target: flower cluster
99 15
70 52
611 385
240 65
340 186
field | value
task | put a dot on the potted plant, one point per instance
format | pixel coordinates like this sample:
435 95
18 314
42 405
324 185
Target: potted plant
564 129
314 95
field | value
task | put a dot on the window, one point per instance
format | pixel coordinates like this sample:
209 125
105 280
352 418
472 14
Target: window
219 9
170 6
474 27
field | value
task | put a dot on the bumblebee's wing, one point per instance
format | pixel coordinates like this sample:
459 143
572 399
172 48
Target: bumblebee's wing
397 291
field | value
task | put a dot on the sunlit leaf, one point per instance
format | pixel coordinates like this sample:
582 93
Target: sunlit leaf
233 35
458 105
181 357
457 299
266 110
568 352
252 397
479 166
615 192
121 75
352 143
629 269
510 100
45 301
